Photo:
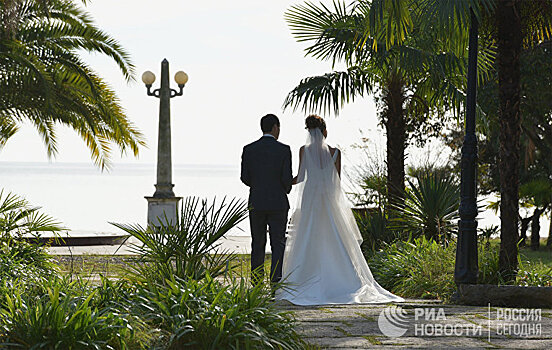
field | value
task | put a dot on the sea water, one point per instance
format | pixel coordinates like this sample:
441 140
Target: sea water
83 198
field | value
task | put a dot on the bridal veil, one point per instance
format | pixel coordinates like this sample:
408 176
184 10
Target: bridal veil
323 263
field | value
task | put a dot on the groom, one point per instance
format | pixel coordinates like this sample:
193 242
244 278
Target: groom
266 169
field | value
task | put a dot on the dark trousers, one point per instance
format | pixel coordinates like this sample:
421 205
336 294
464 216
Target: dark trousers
276 220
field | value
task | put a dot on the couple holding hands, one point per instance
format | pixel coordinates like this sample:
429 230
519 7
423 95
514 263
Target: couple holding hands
321 261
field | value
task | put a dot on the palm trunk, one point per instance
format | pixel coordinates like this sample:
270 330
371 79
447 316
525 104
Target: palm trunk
535 229
395 125
508 59
523 230
549 240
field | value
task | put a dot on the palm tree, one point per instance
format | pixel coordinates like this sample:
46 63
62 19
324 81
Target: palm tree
512 23
44 81
413 78
18 218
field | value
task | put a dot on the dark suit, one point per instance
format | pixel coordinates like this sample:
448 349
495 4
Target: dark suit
266 169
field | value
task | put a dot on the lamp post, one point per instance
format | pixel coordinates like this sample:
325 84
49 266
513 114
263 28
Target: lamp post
466 268
163 205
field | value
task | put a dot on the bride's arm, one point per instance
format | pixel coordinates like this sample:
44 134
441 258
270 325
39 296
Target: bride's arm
301 152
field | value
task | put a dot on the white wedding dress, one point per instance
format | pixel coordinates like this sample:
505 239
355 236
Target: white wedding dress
323 262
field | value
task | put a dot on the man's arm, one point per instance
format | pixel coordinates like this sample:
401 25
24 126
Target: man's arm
287 176
245 178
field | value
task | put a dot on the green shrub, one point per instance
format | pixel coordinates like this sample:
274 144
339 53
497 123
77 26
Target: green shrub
23 266
372 224
31 256
186 249
425 269
489 269
418 269
207 314
430 207
60 320
171 301
536 274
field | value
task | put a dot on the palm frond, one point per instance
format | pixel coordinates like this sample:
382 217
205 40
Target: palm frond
18 217
188 248
47 83
330 91
334 34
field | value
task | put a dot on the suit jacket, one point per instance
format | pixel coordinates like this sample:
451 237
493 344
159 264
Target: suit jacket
266 169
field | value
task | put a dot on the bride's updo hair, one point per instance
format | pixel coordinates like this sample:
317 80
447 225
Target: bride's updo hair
314 121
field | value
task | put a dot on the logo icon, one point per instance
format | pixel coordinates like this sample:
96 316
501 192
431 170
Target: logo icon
393 321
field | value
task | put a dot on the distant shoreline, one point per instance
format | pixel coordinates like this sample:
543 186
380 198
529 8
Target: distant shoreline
70 191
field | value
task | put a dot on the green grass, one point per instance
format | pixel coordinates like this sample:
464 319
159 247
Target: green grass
543 255
116 266
93 265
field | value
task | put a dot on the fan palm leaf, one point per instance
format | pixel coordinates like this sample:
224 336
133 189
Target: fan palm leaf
430 207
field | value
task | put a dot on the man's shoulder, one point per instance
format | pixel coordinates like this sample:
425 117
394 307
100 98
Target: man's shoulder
251 145
266 142
282 145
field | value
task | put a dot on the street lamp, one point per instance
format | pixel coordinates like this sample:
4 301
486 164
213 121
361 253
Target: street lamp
163 205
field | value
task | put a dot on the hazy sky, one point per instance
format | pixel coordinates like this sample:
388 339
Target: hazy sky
242 61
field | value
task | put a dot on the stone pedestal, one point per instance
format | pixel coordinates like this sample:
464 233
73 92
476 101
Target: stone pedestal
162 210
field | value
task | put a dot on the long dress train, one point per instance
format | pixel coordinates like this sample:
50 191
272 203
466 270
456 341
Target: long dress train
323 262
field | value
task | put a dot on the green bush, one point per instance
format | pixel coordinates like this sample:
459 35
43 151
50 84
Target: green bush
22 264
372 224
59 320
207 314
174 290
186 249
430 207
418 269
23 267
172 301
425 269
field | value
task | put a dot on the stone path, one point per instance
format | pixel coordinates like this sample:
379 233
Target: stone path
461 327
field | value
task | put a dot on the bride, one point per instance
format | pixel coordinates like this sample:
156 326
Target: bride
323 263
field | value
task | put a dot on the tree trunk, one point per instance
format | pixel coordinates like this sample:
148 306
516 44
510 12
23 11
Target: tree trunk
549 240
395 125
523 230
535 229
508 61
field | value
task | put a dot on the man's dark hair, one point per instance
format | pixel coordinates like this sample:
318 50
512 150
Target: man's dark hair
268 122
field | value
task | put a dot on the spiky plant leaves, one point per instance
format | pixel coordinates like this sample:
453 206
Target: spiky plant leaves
188 248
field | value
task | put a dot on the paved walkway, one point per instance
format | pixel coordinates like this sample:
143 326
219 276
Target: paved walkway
464 327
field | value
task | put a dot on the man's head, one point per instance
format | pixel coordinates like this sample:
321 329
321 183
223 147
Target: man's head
270 125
